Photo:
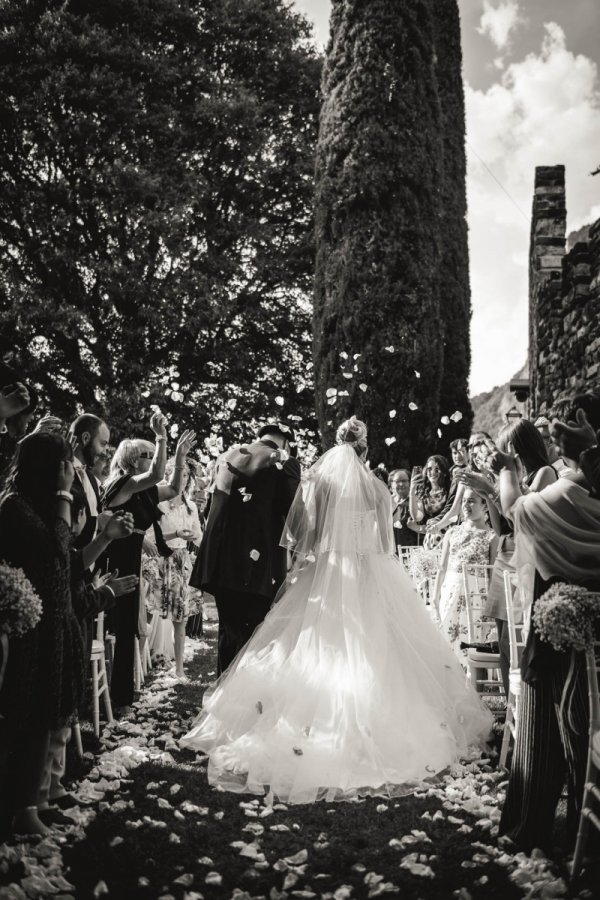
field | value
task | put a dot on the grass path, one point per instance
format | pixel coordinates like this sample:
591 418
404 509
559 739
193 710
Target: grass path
160 831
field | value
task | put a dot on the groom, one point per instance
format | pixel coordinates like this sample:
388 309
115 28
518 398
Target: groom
240 561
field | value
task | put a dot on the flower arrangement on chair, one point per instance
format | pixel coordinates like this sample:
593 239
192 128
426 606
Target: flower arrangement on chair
568 616
20 608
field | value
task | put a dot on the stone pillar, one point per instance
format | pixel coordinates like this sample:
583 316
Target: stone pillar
547 249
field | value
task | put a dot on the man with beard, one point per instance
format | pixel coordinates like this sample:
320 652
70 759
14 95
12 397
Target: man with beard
91 436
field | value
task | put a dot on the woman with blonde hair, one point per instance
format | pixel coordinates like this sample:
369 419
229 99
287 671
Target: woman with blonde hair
346 688
133 486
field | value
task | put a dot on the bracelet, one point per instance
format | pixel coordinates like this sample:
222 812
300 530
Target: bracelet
65 495
161 437
178 468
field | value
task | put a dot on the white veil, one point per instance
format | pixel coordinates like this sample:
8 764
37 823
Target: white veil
339 506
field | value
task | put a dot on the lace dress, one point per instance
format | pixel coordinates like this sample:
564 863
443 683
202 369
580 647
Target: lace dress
470 545
45 672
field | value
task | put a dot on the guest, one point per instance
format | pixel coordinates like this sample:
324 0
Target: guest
88 600
133 486
90 436
101 468
472 542
399 485
479 450
522 440
169 590
13 427
240 559
557 537
459 450
44 675
430 497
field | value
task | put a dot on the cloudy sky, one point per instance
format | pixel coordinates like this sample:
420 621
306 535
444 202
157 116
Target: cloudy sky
532 90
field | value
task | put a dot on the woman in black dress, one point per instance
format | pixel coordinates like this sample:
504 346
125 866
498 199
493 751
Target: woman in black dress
133 486
44 675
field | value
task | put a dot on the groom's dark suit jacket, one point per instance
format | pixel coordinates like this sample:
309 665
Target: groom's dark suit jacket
238 529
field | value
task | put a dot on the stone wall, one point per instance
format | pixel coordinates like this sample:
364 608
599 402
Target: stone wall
564 299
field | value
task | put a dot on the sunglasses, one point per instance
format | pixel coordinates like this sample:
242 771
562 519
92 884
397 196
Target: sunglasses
146 455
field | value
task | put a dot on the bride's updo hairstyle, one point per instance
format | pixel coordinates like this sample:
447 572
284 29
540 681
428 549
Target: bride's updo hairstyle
353 432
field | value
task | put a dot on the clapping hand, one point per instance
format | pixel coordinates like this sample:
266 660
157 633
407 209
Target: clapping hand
185 444
14 398
120 525
119 586
158 424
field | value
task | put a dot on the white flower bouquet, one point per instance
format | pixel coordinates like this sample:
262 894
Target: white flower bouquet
20 606
424 565
568 616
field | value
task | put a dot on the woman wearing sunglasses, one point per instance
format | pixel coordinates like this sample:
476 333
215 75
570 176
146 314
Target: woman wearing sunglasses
133 486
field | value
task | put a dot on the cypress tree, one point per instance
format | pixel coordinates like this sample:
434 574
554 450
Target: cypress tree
455 296
377 228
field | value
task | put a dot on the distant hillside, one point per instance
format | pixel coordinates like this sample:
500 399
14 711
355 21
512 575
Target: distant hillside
490 408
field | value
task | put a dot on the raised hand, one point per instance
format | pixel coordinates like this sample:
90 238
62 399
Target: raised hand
14 398
158 424
50 425
573 438
499 460
185 444
66 473
476 482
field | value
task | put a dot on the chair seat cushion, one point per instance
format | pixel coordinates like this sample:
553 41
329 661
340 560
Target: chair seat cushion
485 659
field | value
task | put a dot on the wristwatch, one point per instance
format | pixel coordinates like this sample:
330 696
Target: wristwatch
65 495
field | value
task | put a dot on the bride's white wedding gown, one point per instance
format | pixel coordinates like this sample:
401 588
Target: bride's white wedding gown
347 688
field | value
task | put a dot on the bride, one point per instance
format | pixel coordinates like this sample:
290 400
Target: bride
347 688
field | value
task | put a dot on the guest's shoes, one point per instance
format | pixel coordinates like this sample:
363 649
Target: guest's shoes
68 801
28 823
52 817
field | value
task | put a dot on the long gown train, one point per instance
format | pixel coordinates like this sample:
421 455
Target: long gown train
346 689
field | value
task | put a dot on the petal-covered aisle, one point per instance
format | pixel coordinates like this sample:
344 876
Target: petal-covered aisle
157 830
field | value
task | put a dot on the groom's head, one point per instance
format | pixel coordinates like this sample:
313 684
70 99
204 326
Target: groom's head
279 432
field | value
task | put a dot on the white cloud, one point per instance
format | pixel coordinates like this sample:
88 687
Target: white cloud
544 110
497 22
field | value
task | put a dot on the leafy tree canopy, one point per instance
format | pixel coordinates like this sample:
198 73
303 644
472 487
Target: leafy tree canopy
156 210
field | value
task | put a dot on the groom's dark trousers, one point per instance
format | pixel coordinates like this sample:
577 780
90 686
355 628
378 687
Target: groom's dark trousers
239 615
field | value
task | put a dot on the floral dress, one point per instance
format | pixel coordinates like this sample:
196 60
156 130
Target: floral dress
168 578
469 545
